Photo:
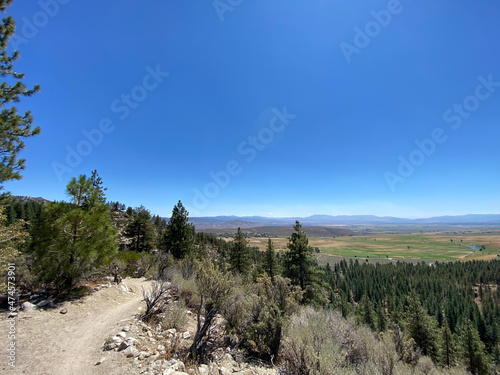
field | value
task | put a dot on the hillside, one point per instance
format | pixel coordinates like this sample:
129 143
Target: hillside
283 231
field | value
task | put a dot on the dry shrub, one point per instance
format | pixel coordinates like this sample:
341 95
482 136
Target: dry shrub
175 316
322 342
155 299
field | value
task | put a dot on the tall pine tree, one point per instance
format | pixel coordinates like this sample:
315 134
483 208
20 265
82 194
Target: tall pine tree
71 239
13 126
300 266
178 237
240 258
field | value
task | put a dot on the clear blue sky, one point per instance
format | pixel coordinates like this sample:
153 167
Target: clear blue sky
272 108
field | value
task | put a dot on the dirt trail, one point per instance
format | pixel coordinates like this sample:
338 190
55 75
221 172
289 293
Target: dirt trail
55 344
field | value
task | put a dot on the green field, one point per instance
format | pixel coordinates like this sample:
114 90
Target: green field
448 246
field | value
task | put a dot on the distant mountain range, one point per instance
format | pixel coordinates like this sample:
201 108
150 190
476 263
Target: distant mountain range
219 222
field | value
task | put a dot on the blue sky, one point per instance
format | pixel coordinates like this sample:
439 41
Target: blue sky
272 108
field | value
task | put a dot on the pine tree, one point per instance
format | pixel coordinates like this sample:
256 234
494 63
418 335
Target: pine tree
448 346
240 258
472 349
271 264
421 327
13 126
72 239
140 230
366 313
178 237
300 267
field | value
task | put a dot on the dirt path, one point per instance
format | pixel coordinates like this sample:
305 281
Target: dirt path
52 343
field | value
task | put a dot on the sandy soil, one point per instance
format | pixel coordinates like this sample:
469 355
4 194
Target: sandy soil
49 342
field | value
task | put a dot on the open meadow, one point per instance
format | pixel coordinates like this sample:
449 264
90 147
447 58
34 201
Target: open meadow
446 246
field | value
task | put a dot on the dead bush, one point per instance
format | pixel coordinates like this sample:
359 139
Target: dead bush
155 299
175 316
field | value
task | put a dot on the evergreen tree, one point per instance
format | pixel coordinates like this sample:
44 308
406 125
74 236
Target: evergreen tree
366 313
472 349
448 347
271 264
140 230
240 258
13 126
421 327
178 237
98 186
71 239
300 267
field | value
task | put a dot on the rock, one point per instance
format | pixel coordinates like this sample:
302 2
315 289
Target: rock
186 335
172 331
64 311
100 361
224 371
203 370
126 329
124 288
43 303
12 314
117 339
28 306
122 334
131 351
124 345
110 346
161 347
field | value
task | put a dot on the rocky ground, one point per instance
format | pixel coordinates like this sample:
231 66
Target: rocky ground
102 334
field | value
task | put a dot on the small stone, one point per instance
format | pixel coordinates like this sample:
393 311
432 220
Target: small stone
43 303
122 334
110 346
12 314
161 347
28 306
117 339
131 351
126 329
100 361
124 345
186 335
64 311
171 331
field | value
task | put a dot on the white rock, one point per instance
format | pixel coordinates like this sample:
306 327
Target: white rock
123 288
186 335
28 306
171 331
122 334
131 351
161 347
126 329
117 339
